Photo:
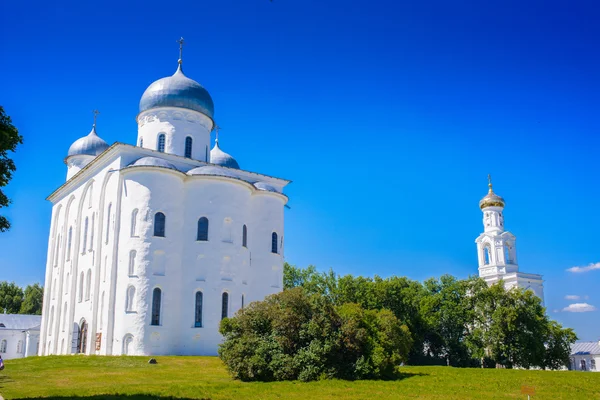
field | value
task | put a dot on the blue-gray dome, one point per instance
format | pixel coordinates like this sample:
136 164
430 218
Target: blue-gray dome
90 145
152 162
265 186
210 170
178 91
219 157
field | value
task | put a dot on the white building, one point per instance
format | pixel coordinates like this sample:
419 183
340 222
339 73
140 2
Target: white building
151 245
19 335
585 356
497 249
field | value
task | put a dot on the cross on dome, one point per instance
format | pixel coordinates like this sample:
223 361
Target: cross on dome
96 112
181 42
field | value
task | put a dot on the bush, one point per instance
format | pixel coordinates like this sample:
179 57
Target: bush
294 335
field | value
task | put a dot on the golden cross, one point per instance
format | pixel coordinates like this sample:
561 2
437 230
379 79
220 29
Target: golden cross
490 181
181 42
96 112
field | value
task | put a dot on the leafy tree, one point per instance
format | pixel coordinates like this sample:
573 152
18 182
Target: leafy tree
558 346
11 297
9 139
32 301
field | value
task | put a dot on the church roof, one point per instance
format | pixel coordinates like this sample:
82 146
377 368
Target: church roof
491 199
20 321
152 162
178 91
219 157
91 145
211 170
584 348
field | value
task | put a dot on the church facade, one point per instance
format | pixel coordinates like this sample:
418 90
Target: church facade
497 249
152 245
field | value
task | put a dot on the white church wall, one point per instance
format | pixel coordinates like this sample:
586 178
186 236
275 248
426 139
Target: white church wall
13 342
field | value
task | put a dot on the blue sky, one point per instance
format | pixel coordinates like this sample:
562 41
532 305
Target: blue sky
386 115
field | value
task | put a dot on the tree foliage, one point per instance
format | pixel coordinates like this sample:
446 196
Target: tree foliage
297 335
14 300
32 300
454 322
9 139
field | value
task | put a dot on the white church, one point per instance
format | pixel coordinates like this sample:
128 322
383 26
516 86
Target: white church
497 249
152 245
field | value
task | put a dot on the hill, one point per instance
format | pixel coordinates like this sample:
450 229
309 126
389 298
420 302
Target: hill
62 377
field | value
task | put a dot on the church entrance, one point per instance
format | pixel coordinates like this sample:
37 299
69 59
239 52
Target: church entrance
82 337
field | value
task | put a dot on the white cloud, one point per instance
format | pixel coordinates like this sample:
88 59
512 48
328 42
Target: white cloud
579 307
588 268
572 297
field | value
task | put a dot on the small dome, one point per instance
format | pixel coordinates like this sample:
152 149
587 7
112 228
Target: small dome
491 199
91 145
219 157
152 162
178 91
265 186
210 170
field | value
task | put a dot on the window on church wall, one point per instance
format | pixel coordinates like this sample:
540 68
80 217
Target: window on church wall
19 347
108 222
92 232
130 299
198 310
64 324
274 243
85 232
159 224
88 284
156 299
226 231
583 365
224 305
69 241
80 294
487 255
507 253
132 255
134 215
244 236
128 344
57 251
202 234
161 143
593 364
188 147
242 301
141 142
3 345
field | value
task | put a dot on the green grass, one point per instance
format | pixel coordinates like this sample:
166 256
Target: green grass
61 377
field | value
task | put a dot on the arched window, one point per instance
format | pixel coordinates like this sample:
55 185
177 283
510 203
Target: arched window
188 147
507 256
156 298
242 301
132 255
134 215
127 344
141 142
88 284
198 310
583 365
244 236
159 224
130 299
92 232
19 347
82 338
274 243
108 222
224 305
161 143
80 294
486 255
202 229
3 346
69 241
85 232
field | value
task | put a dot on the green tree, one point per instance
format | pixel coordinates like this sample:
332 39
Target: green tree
32 300
558 345
9 139
11 297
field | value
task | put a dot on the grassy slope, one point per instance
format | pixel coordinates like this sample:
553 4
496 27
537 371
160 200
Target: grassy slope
206 377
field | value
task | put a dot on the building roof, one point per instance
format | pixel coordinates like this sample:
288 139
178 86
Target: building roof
90 145
20 321
582 348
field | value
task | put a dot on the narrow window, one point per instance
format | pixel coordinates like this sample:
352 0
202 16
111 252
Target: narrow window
244 236
141 142
88 284
224 305
127 345
69 240
132 255
19 347
85 232
64 318
108 222
130 299
134 215
188 147
274 242
92 232
156 297
80 296
486 255
507 254
198 313
593 364
242 301
161 143
583 365
3 346
202 229
159 224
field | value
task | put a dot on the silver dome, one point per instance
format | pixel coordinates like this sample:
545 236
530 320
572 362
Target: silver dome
265 186
219 157
178 91
210 170
152 162
90 145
